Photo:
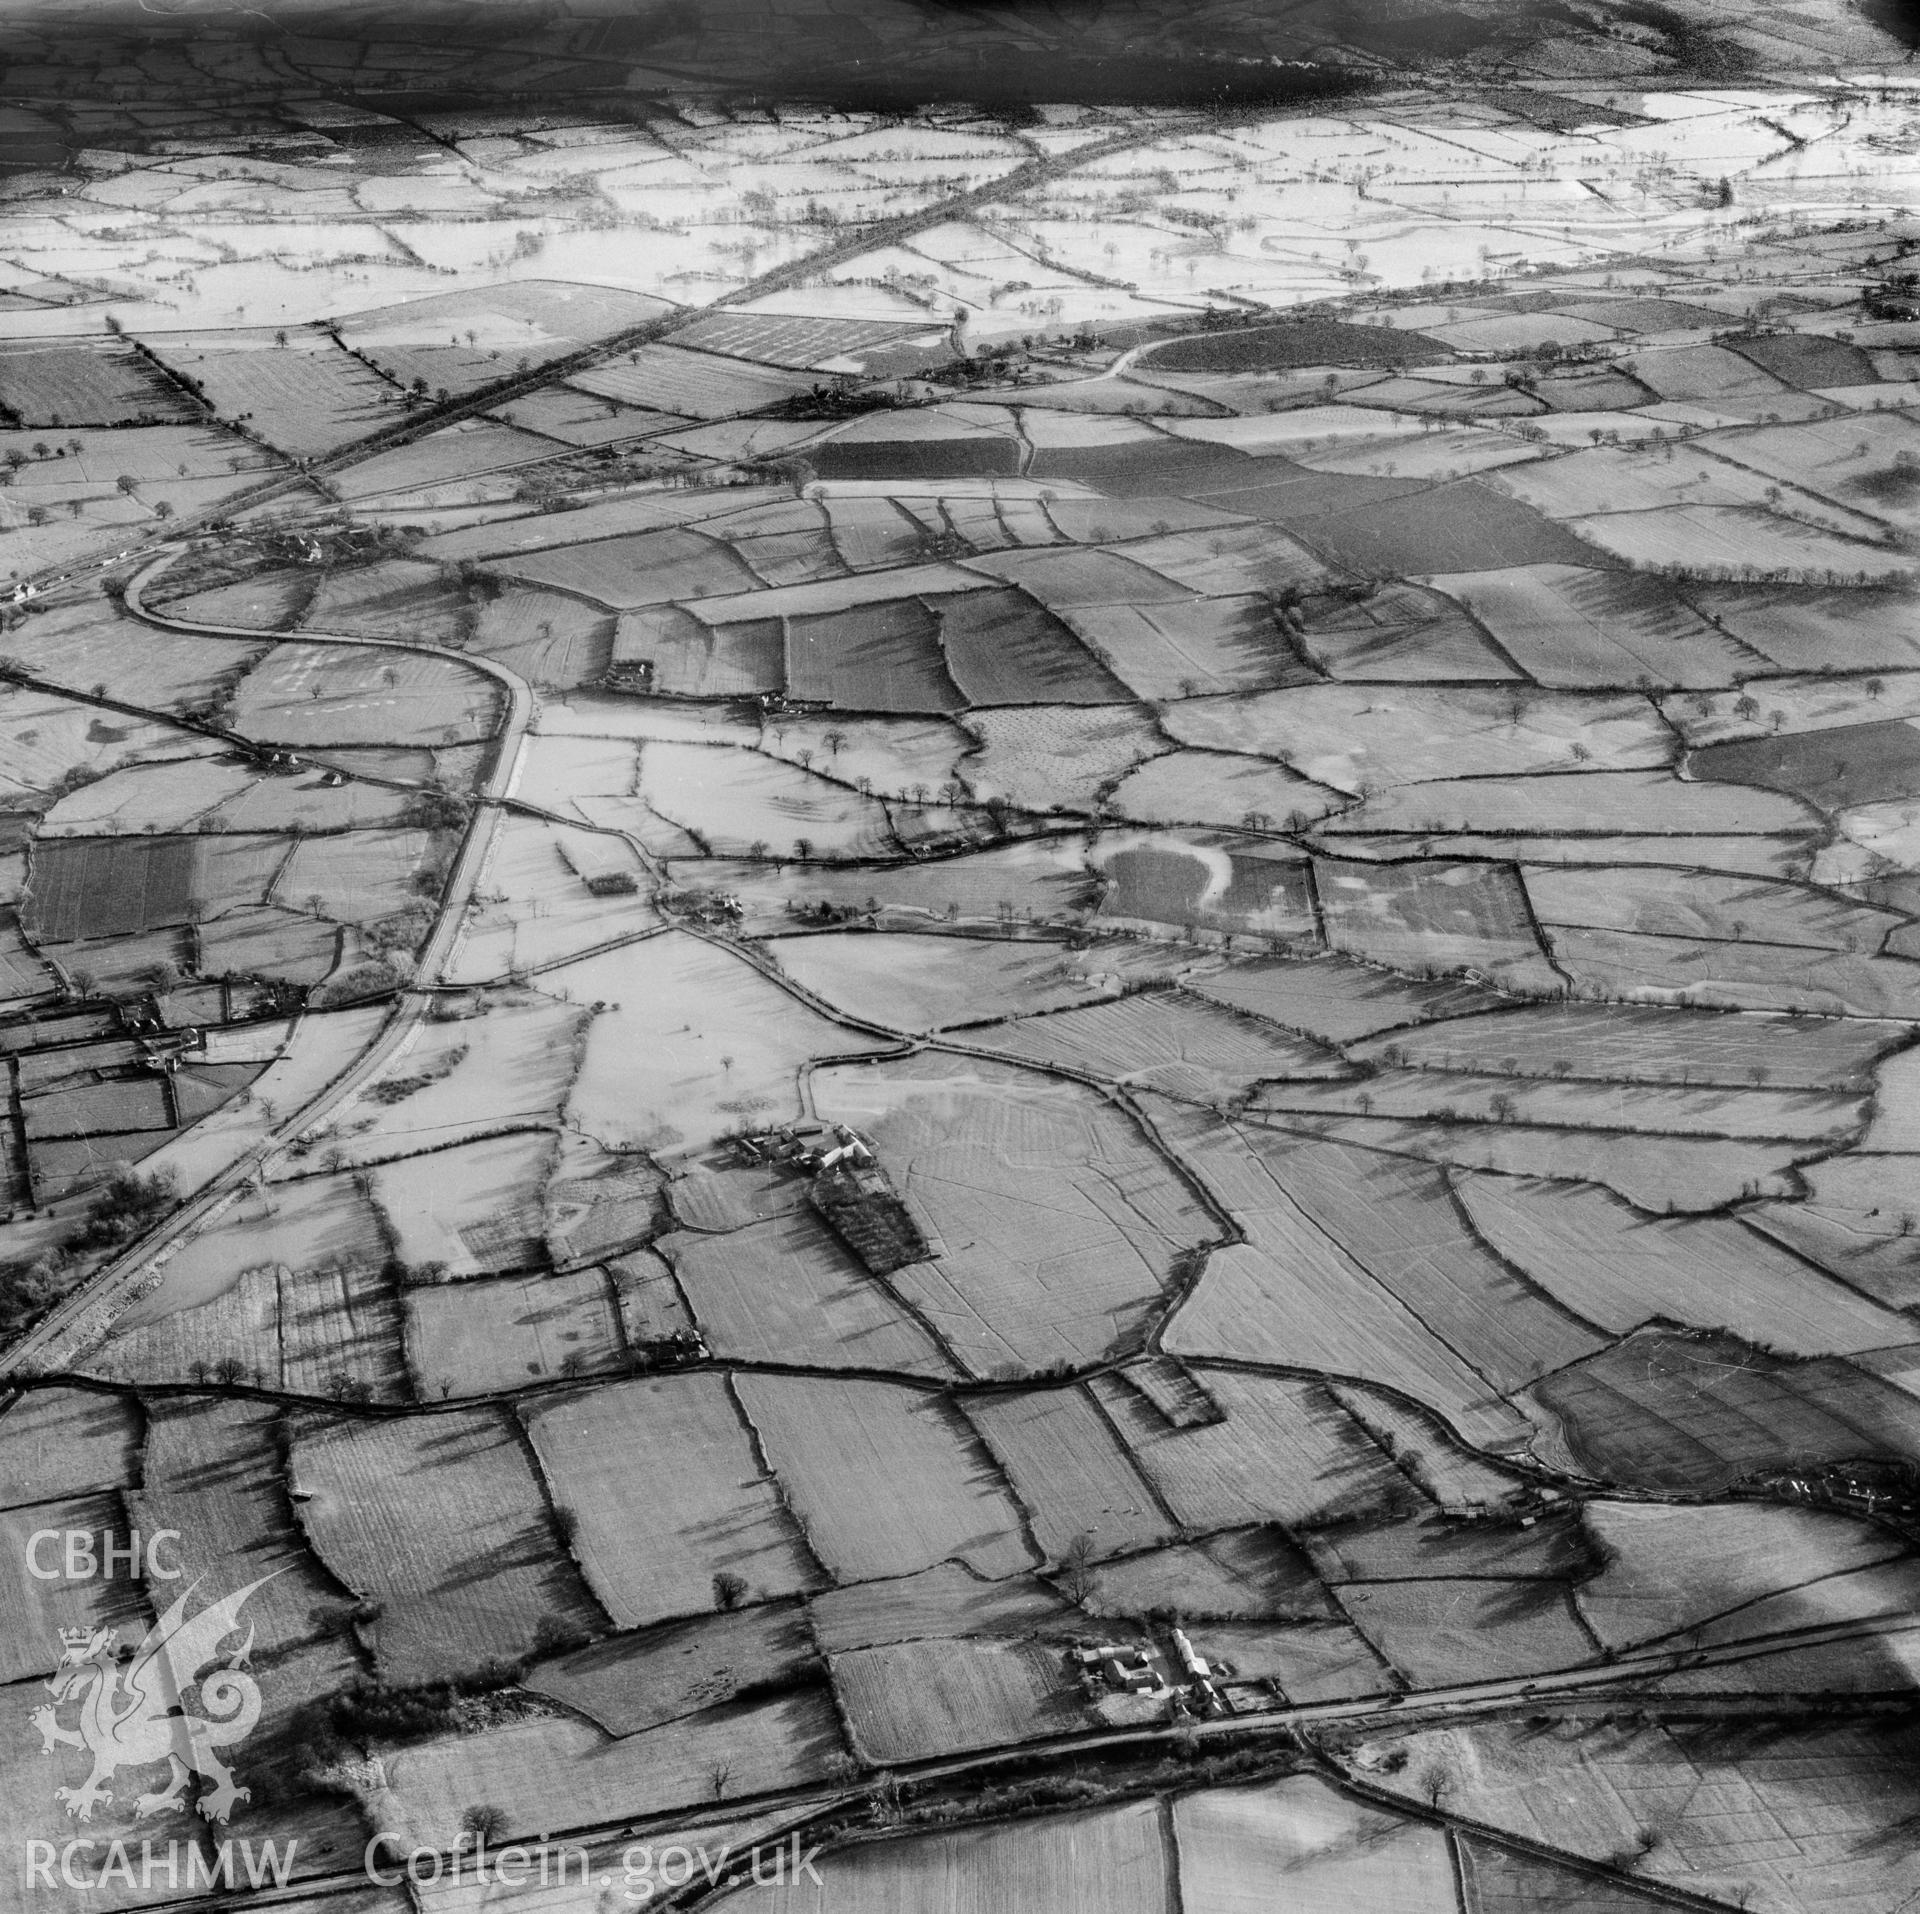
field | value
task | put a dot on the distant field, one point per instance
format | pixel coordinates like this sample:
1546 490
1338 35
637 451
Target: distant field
1109 1861
1697 1414
697 385
1057 1218
884 1480
1309 342
443 1523
1286 1451
911 1701
1067 1466
57 386
787 1291
644 1462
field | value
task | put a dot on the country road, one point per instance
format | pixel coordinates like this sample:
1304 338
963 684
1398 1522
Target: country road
81 1319
1464 1701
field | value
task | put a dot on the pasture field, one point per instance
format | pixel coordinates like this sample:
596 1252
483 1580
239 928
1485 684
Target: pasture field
1300 1843
1790 1823
665 1461
1565 626
1435 916
467 1210
1501 1880
305 401
907 982
1191 648
464 451
1218 787
580 418
1057 1222
1161 879
1637 1043
33 1610
1695 1414
1475 1629
1108 1861
652 1307
729 800
786 1291
546 637
1243 1575
318 694
1665 1172
295 1326
1046 758
1722 974
1720 541
555 1771
1575 803
883 1480
1181 1045
1709 908
897 755
1040 880
1285 1452
1619 1268
66 385
1338 1000
443 1524
644 568
777 339
61 1442
913 1700
634 1682
1398 1221
872 533
1554 1548
1307 1661
948 1599
1675 1109
1801 629
871 657
1669 1570
1291 1293
477 1338
1004 648
633 512
689 659
1443 1467
1345 736
359 876
200 1477
1067 1466
84 645
696 385
268 601
676 1007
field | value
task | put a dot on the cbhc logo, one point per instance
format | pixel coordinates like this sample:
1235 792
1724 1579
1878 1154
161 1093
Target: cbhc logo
77 1559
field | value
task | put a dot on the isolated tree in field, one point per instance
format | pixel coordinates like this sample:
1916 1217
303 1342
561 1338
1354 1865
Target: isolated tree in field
488 1823
126 484
1074 1577
163 510
719 1775
280 338
802 848
729 1589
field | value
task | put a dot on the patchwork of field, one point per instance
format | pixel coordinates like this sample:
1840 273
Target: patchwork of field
729 1020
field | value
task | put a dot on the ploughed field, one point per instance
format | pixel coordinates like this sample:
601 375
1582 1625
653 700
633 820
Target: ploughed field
1342 891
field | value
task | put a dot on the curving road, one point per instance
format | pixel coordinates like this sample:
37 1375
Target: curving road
79 1321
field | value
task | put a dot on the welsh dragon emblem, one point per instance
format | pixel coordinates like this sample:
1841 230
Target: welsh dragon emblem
133 1712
